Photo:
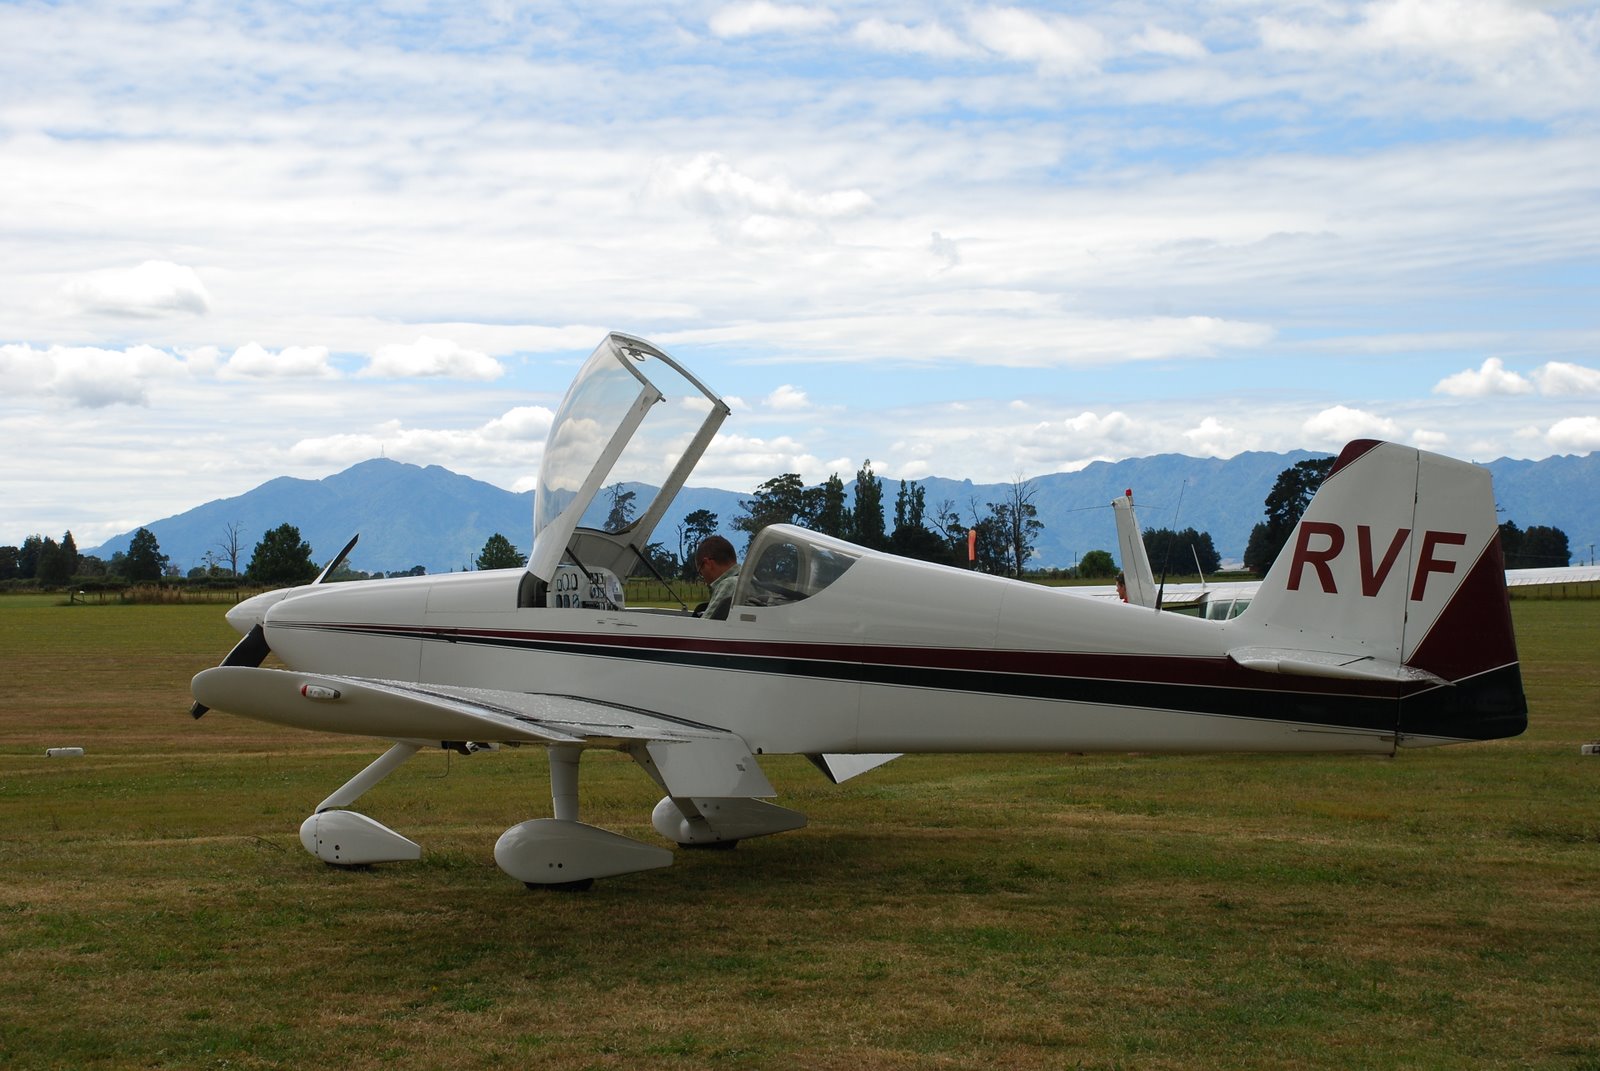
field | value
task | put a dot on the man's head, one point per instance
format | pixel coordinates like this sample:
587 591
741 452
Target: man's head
713 557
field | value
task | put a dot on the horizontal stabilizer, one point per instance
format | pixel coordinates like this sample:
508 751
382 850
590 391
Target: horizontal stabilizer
1329 664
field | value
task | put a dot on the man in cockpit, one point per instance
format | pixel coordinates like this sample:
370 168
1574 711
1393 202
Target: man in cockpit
716 562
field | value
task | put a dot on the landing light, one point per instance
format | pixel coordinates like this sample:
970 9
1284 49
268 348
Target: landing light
320 692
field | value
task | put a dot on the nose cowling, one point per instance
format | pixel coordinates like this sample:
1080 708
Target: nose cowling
249 619
253 611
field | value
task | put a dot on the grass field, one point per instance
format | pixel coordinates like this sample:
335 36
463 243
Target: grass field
1440 910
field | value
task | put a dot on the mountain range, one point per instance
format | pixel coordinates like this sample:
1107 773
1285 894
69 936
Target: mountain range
410 515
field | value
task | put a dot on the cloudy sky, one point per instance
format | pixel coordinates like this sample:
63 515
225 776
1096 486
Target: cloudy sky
245 240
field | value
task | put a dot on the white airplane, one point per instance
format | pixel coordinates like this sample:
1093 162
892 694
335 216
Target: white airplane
1384 625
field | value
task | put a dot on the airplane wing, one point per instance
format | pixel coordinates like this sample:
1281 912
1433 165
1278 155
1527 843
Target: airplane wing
691 758
1571 574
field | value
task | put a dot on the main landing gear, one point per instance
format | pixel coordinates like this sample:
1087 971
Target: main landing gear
562 852
559 853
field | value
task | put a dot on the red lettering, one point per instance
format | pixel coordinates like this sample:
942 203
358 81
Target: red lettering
1427 564
1317 559
1372 582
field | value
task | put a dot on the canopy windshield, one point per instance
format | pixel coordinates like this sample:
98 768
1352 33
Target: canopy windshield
634 422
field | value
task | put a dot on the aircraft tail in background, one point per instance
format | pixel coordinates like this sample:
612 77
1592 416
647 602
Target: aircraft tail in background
1137 578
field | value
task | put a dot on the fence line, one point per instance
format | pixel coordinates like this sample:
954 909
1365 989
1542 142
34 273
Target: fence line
1586 590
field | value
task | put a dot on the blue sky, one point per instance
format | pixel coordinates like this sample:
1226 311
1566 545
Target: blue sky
965 239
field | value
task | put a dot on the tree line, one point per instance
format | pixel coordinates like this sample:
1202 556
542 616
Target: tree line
281 557
1537 547
1007 530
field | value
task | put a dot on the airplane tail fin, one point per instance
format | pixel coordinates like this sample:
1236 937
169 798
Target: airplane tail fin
1395 573
1138 579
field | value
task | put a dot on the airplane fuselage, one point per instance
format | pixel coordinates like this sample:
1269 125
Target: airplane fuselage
895 656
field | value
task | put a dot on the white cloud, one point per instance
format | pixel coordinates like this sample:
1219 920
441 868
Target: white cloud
1553 378
928 38
712 184
787 397
1285 35
1055 43
1577 435
1559 377
202 360
1047 443
1165 42
1511 54
777 230
526 423
86 376
156 288
1111 426
742 461
437 357
1448 26
760 17
1213 438
341 450
1429 440
993 334
1490 378
1340 424
1449 29
520 432
254 361
1192 336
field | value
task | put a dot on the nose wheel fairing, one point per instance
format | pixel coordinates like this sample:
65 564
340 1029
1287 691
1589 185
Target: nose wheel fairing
349 838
